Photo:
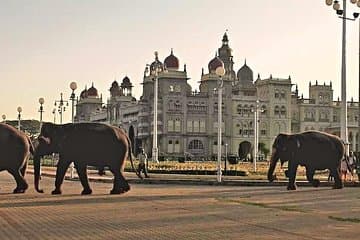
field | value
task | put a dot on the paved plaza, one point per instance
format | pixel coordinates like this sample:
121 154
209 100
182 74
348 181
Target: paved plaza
174 211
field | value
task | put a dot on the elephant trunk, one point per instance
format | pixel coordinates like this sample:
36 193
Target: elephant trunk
37 173
273 161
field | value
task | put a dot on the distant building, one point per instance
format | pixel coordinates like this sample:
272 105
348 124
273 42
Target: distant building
187 119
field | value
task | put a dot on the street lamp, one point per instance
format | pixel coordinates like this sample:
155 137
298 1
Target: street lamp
41 110
220 71
61 106
256 131
358 140
4 118
155 69
343 117
19 109
54 113
226 156
73 87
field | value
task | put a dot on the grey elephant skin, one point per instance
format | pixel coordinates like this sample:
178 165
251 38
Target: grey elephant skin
84 144
15 150
245 150
312 149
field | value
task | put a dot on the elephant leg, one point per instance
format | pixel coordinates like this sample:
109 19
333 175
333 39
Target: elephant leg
120 183
21 184
60 174
81 170
310 177
292 168
337 179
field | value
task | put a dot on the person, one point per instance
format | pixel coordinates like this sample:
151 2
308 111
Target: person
357 168
343 168
352 164
330 177
142 163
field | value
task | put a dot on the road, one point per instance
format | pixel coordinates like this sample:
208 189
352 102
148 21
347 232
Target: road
150 211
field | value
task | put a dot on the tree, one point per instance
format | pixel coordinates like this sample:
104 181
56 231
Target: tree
263 149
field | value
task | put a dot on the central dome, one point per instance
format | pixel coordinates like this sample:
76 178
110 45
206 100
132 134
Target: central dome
171 62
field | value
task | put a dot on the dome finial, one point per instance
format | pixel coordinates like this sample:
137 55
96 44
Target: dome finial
156 55
172 52
245 62
225 39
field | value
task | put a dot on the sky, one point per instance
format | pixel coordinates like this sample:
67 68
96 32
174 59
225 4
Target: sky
46 45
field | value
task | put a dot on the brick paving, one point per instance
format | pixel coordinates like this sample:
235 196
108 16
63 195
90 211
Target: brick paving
163 211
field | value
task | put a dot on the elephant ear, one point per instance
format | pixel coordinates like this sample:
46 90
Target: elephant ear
44 140
279 141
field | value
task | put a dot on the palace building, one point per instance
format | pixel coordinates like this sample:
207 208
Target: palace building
188 119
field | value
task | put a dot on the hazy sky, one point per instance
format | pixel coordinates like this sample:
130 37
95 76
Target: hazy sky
46 44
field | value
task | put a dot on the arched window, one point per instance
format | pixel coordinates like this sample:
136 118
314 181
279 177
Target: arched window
263 110
283 110
196 144
263 129
276 110
239 109
282 94
276 95
246 109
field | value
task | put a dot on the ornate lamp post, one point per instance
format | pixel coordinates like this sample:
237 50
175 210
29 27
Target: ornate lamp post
61 106
220 71
343 117
41 110
256 132
156 68
19 109
4 118
73 87
54 113
226 157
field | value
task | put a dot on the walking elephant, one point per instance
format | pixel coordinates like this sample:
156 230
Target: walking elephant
245 151
313 149
84 144
15 149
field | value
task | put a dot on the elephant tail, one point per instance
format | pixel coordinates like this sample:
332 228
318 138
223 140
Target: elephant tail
31 146
130 157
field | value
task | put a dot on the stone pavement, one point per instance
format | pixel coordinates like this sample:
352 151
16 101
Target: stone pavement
174 211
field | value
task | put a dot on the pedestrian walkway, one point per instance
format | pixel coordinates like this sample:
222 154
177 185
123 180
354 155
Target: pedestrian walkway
158 178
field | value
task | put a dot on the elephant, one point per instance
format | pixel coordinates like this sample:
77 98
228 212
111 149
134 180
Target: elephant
94 144
15 150
314 150
245 149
